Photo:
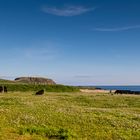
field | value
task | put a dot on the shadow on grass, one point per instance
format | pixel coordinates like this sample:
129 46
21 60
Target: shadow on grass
51 133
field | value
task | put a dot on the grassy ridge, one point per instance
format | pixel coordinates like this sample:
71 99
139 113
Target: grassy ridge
69 116
23 87
3 81
31 87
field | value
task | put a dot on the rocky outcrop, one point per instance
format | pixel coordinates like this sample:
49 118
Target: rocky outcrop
35 80
127 92
40 92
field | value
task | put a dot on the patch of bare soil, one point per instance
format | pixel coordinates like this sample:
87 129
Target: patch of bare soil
95 91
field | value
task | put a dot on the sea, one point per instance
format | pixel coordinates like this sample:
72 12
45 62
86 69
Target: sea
132 88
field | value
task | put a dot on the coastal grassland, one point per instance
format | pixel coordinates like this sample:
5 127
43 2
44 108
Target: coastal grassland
22 87
82 116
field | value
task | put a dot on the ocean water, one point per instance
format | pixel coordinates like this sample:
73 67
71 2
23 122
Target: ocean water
132 88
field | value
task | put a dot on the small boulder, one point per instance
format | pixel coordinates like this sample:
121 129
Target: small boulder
40 92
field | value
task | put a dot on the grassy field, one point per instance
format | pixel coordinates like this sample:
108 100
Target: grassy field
31 87
24 116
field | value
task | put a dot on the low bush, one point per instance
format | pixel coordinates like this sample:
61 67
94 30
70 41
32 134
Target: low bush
51 133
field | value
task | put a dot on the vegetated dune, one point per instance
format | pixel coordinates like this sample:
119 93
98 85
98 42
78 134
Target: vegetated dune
25 84
2 81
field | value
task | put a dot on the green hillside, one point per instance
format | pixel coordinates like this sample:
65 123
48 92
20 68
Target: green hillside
13 86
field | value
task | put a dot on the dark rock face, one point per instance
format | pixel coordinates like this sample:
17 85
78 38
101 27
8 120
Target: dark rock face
122 91
40 92
136 92
127 92
35 80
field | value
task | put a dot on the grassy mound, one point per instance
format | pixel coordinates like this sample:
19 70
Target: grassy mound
23 87
32 87
3 81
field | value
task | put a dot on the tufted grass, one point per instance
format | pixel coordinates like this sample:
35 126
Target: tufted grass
24 116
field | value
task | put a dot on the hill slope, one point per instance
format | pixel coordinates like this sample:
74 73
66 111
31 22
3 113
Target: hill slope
35 80
3 81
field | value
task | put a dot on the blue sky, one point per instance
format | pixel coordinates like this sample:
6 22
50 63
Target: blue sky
82 42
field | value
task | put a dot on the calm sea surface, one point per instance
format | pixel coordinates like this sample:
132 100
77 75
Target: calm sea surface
132 88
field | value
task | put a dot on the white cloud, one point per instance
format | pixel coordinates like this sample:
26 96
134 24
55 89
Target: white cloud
117 29
66 11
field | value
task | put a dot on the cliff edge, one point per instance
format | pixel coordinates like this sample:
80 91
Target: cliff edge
35 80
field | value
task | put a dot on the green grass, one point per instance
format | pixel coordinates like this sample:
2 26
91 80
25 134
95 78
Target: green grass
13 86
32 87
79 116
3 81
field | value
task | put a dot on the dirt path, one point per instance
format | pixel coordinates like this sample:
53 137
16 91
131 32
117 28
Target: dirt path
95 91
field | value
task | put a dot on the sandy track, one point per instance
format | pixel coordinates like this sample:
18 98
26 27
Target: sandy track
95 91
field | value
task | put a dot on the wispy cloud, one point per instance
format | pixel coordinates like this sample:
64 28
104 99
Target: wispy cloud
67 11
39 54
83 76
41 51
117 29
34 51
